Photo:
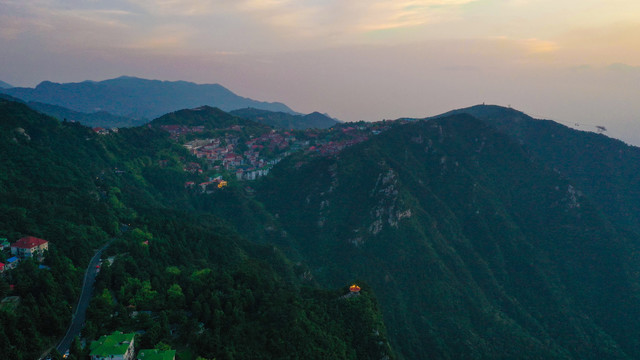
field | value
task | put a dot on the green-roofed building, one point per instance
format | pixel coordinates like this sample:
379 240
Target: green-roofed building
156 354
117 346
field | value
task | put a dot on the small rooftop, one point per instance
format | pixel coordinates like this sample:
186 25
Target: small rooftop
29 242
114 344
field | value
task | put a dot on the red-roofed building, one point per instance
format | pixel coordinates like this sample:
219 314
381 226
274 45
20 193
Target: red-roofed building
101 131
29 246
205 184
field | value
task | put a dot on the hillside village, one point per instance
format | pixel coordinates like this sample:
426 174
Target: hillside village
250 159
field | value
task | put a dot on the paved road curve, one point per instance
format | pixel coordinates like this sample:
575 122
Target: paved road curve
77 321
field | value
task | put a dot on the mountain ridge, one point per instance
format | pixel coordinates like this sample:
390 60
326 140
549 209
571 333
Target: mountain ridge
95 119
286 120
606 168
137 98
211 118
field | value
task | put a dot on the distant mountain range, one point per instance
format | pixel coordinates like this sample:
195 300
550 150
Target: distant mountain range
129 101
95 119
4 85
136 98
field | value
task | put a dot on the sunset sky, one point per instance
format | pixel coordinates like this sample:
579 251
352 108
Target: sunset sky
570 61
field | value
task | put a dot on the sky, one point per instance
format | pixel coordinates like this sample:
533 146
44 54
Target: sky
573 61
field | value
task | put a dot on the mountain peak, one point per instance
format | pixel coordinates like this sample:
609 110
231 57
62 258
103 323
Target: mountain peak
202 108
209 117
46 84
127 77
485 112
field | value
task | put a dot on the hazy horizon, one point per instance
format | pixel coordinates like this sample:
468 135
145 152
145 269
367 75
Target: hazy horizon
572 62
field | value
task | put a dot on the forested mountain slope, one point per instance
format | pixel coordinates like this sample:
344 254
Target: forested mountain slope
45 193
209 117
606 169
475 248
179 276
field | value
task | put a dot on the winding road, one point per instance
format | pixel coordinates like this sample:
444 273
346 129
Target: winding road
79 314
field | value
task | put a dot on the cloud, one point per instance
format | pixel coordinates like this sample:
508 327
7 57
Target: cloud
262 5
91 17
310 17
180 8
382 15
168 37
535 28
534 46
601 45
11 28
537 46
58 21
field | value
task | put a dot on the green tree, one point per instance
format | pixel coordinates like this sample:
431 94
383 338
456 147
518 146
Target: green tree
175 296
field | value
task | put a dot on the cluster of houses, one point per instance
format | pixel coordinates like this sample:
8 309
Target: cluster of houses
119 346
273 140
255 157
103 131
175 131
25 248
261 153
224 151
